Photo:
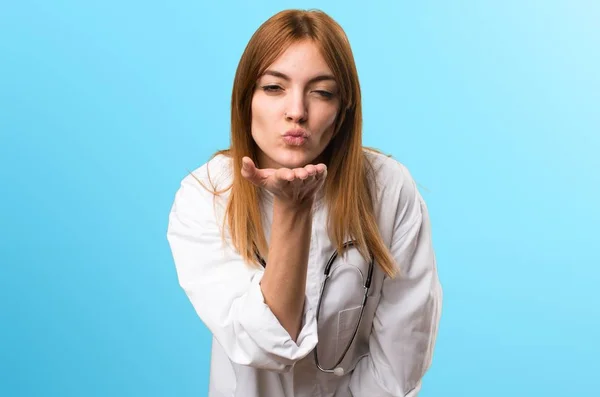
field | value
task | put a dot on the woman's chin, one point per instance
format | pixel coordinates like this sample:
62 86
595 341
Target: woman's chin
289 159
296 160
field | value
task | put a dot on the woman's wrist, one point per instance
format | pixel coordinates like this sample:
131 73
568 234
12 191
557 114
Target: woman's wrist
293 207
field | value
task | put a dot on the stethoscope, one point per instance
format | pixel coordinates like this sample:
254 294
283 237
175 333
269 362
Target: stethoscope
337 369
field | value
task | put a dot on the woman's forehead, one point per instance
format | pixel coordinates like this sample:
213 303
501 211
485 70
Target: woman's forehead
301 61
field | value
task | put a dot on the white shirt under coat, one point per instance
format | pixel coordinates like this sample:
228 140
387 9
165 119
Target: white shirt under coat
254 356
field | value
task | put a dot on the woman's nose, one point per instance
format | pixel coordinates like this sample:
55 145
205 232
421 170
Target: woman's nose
296 108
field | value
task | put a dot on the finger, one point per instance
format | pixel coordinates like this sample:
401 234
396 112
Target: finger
300 173
284 175
312 174
253 174
265 172
311 169
321 171
249 170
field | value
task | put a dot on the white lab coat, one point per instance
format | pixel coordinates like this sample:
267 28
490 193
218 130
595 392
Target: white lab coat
253 355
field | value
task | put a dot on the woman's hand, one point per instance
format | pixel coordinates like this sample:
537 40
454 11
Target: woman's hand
283 284
292 186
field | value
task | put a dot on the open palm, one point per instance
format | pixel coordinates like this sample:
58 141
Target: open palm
291 185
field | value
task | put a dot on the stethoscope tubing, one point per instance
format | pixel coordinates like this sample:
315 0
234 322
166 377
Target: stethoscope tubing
367 286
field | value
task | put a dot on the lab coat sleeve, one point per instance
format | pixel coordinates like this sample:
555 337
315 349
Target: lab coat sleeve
224 291
406 320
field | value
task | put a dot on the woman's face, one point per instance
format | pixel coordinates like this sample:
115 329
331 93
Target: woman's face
294 108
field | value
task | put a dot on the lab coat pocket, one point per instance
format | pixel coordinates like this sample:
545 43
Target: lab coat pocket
347 322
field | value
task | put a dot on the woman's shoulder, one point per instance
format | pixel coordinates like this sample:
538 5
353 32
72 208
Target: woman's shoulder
216 174
398 203
386 171
205 186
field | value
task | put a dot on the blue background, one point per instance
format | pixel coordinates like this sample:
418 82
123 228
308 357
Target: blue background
105 106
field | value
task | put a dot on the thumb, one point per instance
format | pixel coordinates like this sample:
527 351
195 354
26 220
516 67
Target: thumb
249 170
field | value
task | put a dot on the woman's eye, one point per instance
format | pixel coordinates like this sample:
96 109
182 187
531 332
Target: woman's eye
275 89
325 94
271 88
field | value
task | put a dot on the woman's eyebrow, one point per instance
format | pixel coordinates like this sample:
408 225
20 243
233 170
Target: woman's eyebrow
315 79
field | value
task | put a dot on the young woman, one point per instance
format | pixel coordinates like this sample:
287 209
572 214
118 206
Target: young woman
308 256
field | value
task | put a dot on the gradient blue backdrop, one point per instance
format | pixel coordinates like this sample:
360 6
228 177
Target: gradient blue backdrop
104 106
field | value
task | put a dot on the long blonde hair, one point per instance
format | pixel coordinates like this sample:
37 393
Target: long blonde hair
348 195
